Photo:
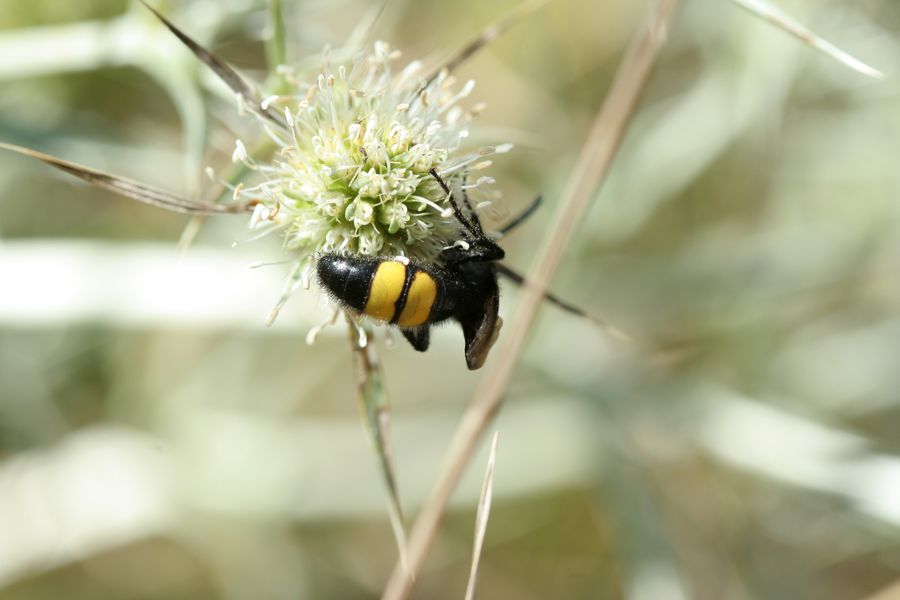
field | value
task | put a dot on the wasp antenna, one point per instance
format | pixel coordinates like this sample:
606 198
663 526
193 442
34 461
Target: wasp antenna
441 181
473 215
223 70
476 232
129 188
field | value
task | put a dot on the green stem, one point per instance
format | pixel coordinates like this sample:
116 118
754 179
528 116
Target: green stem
276 48
376 408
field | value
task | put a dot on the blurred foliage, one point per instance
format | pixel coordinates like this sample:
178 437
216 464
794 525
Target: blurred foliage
745 447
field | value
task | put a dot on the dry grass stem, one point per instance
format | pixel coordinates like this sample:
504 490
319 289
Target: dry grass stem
773 15
595 159
488 35
129 188
223 70
481 517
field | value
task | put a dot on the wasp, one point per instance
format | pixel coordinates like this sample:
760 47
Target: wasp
414 295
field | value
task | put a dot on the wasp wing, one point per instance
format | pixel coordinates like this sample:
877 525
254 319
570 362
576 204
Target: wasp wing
480 328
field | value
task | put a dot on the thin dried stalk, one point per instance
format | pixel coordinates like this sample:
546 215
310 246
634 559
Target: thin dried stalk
224 190
481 518
773 15
376 409
130 188
596 156
488 35
223 70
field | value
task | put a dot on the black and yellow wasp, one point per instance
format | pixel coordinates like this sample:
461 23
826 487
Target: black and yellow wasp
414 295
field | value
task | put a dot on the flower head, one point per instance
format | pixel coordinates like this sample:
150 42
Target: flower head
352 173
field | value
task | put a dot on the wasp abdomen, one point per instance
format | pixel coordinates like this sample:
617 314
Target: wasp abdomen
419 301
389 290
348 279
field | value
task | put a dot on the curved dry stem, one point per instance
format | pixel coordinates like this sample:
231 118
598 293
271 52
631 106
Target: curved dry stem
129 188
488 35
767 12
596 156
223 70
481 518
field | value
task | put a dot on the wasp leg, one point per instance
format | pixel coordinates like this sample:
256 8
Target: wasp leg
521 217
417 337
520 280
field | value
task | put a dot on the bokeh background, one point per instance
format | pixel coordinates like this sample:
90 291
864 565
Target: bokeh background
158 441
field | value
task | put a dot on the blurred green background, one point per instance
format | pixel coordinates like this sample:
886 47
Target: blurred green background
157 441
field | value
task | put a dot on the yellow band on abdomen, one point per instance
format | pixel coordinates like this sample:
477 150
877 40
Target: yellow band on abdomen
387 285
419 300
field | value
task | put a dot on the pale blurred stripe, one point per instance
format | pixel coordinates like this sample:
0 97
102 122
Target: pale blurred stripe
95 490
109 485
131 38
71 47
786 447
47 283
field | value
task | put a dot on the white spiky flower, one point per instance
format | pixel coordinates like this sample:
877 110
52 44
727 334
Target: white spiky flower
352 173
